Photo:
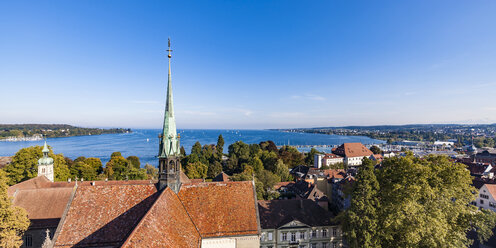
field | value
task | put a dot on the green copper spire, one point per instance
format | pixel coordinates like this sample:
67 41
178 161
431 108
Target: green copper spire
169 140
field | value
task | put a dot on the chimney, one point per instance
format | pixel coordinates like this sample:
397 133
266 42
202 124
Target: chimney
93 183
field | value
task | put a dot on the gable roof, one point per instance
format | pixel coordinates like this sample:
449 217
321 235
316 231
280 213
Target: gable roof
276 213
222 177
353 150
104 215
221 208
166 224
33 183
492 189
45 206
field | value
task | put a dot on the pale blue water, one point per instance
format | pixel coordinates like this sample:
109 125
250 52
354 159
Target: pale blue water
135 143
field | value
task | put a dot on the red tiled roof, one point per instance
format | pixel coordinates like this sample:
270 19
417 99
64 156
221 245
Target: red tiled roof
331 155
335 173
43 182
492 189
353 150
33 183
221 209
104 215
166 224
45 206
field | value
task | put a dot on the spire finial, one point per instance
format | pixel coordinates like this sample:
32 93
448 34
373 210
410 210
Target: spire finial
169 50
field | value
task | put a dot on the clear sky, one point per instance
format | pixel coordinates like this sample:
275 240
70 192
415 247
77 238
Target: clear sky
248 64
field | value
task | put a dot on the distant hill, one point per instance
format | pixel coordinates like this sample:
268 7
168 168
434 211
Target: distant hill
52 130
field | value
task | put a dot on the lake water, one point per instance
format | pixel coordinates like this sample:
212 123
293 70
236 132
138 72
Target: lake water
144 142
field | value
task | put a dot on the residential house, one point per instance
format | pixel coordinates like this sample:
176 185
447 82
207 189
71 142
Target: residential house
297 223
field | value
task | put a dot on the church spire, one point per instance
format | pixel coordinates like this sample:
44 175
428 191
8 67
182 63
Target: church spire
168 155
169 142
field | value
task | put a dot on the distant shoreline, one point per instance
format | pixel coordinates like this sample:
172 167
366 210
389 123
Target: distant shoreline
36 132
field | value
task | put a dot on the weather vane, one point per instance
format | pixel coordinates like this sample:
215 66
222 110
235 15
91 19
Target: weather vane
169 50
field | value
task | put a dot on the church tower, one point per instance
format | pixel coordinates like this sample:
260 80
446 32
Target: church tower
45 164
169 155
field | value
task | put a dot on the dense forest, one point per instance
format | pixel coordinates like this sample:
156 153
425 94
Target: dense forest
52 130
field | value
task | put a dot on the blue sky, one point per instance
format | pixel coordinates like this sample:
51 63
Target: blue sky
248 64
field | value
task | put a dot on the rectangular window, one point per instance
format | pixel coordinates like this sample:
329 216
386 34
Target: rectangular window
28 240
293 236
334 245
324 233
324 245
270 236
313 245
481 201
314 233
302 235
334 232
284 236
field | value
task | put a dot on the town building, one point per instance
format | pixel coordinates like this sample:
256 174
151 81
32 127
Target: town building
171 212
487 197
353 153
326 160
297 223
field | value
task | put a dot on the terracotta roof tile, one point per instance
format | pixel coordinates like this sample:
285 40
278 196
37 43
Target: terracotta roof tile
492 189
353 150
335 173
104 215
45 206
166 224
221 209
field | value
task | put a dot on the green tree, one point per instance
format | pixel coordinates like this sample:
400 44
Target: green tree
196 149
256 163
80 159
151 171
421 203
214 169
241 150
95 163
282 171
268 146
60 169
220 146
13 220
269 160
310 156
134 161
361 221
375 149
24 164
117 167
291 156
196 170
115 155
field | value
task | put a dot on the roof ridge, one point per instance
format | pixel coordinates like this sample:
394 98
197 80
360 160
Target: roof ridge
64 215
148 212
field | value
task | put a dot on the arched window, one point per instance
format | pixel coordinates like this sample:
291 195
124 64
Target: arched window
172 166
